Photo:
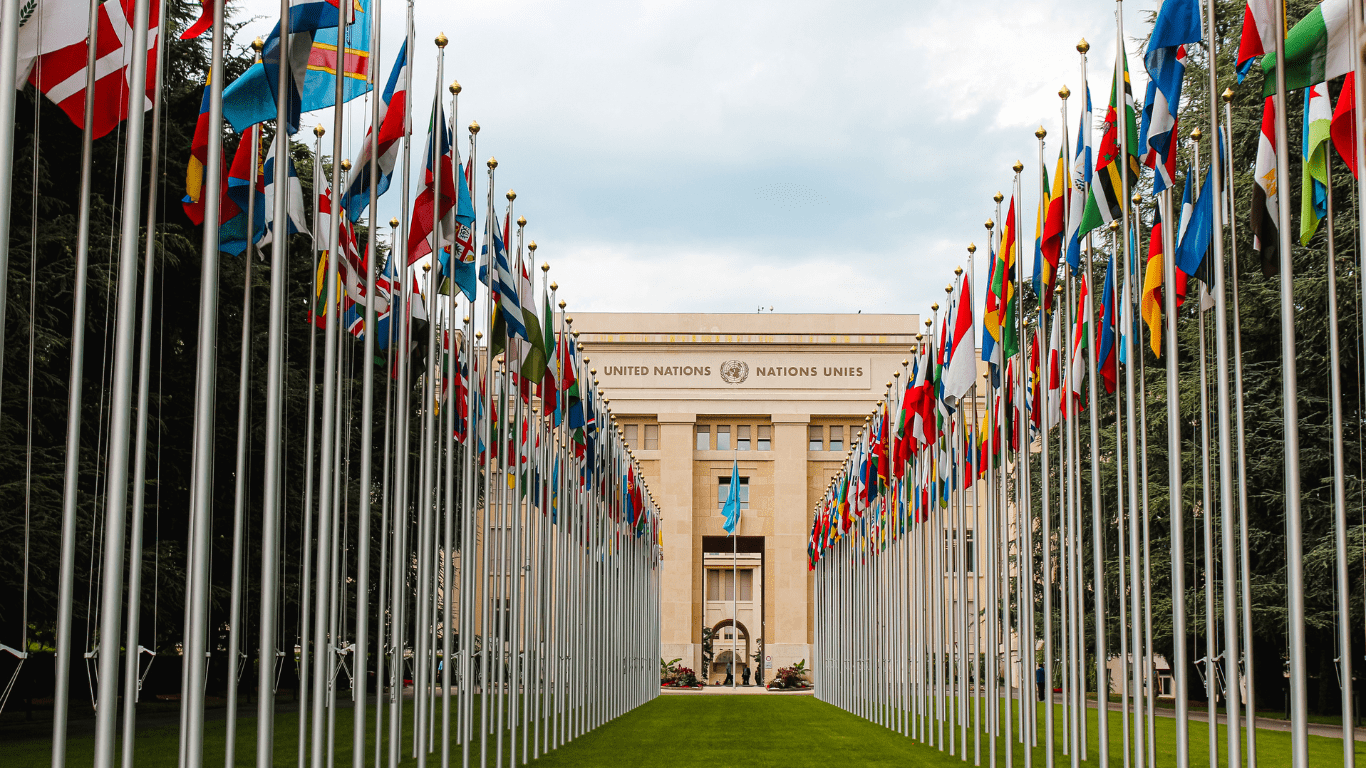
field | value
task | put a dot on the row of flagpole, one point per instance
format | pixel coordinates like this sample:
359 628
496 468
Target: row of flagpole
900 637
515 450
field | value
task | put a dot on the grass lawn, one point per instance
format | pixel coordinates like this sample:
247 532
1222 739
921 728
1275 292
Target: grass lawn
678 730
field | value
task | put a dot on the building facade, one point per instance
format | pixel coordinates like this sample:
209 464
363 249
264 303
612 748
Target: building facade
781 395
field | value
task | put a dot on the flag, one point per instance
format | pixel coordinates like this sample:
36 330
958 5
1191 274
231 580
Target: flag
53 25
294 206
1106 363
193 202
1259 26
250 98
1001 323
393 109
532 349
1038 237
1034 385
961 372
1316 49
1265 205
550 395
60 73
1105 202
507 305
1081 183
320 84
1055 374
1197 230
234 231
1051 248
1344 130
425 208
1081 336
1157 134
1151 306
1314 157
1177 24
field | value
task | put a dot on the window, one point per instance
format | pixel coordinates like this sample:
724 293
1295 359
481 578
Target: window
723 492
721 584
723 437
703 438
765 438
836 438
815 438
742 437
651 437
951 552
630 430
969 552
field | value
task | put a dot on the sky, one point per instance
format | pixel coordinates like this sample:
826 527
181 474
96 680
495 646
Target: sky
727 156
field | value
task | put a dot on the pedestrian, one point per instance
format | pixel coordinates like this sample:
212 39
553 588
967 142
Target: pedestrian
745 673
730 673
1039 682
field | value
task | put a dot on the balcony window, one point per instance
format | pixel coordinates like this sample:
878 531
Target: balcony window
723 492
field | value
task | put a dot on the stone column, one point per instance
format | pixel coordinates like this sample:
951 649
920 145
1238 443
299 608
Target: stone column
787 551
679 638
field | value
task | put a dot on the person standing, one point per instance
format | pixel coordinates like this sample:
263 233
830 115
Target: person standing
745 673
1039 682
730 672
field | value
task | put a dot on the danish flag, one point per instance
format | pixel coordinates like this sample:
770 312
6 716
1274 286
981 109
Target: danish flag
61 74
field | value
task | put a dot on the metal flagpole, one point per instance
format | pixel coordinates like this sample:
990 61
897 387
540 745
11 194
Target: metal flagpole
322 647
120 403
306 576
1045 519
132 645
197 586
364 500
452 372
240 473
272 483
385 609
1120 538
1294 535
486 605
1207 522
1245 576
66 576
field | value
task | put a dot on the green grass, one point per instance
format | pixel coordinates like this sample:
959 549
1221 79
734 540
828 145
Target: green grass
676 730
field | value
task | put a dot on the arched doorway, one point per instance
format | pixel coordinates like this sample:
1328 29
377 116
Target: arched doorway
730 642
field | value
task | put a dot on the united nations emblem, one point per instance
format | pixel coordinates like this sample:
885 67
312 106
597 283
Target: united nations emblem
734 371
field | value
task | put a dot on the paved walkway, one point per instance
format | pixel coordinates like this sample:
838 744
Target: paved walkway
739 690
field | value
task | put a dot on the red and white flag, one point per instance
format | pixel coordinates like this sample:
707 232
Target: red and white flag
61 74
960 373
1259 29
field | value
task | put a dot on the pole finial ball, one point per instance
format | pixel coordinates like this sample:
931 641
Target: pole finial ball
1040 133
920 337
1137 198
545 266
1196 134
474 126
998 197
1083 46
441 40
258 44
521 221
1064 92
1018 166
562 304
455 87
532 246
933 308
1114 226
990 225
1228 94
972 248
948 289
492 163
319 130
478 334
393 222
511 195
346 166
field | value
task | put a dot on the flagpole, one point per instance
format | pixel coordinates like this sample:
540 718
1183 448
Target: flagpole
1245 576
1294 534
1121 537
306 575
386 607
132 646
240 490
452 372
197 586
9 14
1045 532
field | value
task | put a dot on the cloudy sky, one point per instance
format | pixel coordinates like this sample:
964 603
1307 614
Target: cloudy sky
726 155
